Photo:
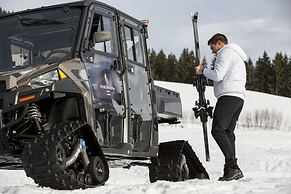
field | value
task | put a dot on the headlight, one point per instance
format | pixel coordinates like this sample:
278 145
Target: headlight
44 80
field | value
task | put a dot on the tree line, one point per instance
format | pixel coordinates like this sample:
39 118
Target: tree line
3 12
266 75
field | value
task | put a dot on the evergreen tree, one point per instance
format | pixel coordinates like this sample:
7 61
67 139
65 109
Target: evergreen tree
3 12
263 74
287 77
250 70
271 78
170 71
160 66
185 67
279 67
153 63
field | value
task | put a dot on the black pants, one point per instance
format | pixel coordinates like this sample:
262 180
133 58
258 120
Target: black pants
226 114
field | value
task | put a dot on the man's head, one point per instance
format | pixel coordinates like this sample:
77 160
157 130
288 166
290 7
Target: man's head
216 42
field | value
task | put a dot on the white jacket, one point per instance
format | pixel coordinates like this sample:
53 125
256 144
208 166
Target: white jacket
229 73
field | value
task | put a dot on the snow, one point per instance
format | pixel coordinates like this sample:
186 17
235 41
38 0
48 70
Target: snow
264 157
254 101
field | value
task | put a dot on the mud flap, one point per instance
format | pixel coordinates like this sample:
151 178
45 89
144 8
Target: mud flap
167 165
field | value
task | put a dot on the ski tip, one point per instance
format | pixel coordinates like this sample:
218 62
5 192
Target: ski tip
195 16
196 13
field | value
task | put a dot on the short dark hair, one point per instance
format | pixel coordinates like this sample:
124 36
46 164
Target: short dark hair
214 39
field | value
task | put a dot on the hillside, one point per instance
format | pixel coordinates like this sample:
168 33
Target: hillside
255 102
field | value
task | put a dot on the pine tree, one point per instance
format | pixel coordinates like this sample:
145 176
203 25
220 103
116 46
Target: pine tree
250 70
287 77
153 62
170 71
3 12
160 66
263 75
185 67
279 67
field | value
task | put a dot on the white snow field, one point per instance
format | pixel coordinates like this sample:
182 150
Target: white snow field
264 157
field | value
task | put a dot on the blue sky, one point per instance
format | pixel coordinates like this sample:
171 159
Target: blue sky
255 25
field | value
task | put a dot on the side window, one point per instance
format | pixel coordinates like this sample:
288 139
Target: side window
133 44
20 55
101 34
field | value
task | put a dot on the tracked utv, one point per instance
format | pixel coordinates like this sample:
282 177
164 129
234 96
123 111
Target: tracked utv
76 98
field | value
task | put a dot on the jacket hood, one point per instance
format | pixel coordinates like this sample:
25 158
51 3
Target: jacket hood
239 50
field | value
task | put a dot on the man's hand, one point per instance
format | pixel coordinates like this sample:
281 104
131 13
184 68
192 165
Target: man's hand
199 69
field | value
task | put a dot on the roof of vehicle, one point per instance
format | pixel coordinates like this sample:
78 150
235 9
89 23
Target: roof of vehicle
83 3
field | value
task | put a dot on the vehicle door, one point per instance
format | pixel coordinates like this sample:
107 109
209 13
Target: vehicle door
100 57
138 83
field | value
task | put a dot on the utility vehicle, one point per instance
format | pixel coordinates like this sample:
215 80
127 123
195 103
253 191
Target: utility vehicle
77 97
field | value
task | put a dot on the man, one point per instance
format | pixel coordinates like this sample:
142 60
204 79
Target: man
229 76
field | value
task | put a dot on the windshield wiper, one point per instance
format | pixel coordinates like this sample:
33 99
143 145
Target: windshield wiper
38 22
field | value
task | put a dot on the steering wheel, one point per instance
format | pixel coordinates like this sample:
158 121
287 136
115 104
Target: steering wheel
64 52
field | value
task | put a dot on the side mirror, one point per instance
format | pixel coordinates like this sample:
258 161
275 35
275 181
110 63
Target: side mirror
101 36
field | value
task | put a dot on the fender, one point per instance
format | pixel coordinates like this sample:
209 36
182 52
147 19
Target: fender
64 109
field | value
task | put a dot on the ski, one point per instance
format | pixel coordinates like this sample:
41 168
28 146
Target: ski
202 107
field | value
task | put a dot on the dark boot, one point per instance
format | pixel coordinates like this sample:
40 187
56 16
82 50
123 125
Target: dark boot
231 174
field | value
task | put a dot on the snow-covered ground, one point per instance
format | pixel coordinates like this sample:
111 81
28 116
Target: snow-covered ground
264 157
254 102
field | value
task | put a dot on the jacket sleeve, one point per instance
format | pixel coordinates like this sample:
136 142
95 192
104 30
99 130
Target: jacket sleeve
221 66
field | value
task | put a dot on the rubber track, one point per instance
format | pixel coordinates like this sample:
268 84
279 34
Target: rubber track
40 161
166 168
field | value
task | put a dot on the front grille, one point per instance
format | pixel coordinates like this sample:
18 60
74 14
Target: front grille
2 86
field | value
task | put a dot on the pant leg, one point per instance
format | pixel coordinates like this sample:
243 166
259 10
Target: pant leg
226 108
230 130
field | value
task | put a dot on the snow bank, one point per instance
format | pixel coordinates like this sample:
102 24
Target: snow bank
254 102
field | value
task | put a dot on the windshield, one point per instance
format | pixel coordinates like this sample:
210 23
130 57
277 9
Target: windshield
42 37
